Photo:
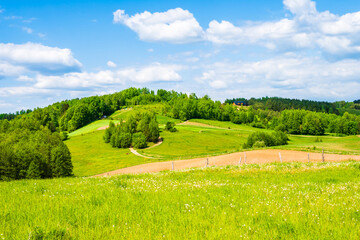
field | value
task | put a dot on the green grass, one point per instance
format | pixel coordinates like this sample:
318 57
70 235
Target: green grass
162 120
91 155
276 201
125 113
91 127
331 144
194 141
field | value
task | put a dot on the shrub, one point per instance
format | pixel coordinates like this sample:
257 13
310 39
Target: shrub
259 144
262 139
170 126
281 128
139 140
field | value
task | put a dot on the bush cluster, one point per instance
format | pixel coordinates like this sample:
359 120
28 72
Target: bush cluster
262 139
135 131
170 126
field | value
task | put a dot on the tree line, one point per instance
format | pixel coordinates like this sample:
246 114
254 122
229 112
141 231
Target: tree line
10 116
293 121
280 104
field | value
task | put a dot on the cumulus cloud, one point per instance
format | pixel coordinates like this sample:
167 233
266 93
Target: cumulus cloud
301 7
86 80
37 57
175 25
225 32
302 76
306 28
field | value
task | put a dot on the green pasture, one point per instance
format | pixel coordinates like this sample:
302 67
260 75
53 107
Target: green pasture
273 201
194 141
330 143
90 155
91 127
126 112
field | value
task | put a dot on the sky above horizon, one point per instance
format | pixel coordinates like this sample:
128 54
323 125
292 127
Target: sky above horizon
56 50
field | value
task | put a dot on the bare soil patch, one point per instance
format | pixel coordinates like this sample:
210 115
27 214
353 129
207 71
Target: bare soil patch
200 125
252 157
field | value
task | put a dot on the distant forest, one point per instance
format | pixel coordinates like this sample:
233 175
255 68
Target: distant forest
28 130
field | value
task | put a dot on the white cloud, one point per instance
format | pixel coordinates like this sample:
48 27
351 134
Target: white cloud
301 7
153 73
175 25
18 91
24 78
301 76
218 84
111 64
225 32
38 57
306 28
76 80
85 80
7 69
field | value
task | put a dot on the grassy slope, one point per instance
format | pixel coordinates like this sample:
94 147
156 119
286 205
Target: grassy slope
90 155
278 201
193 141
91 127
331 144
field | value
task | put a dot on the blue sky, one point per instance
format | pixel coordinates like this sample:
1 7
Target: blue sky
56 50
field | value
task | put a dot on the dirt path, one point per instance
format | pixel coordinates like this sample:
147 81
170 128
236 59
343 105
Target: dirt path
200 125
138 154
257 156
160 141
105 127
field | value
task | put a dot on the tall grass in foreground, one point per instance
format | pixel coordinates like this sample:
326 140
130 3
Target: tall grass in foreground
274 201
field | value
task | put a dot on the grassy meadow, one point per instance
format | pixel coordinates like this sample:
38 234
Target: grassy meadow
272 201
90 155
330 143
92 127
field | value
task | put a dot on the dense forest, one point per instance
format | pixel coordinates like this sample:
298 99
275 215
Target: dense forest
31 145
280 104
33 154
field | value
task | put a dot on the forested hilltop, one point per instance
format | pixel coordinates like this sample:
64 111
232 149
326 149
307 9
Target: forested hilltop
31 143
280 104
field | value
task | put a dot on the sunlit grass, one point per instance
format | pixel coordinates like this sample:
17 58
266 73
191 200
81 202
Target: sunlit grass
91 155
91 127
273 201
